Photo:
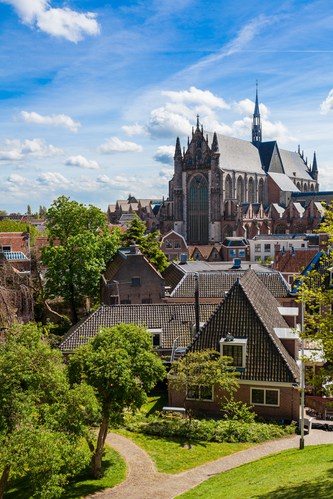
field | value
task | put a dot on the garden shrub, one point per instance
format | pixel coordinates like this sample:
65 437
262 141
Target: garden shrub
209 430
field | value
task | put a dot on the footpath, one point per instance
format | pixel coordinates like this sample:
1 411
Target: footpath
144 482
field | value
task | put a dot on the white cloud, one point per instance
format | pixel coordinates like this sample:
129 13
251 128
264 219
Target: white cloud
164 123
246 106
134 129
114 145
327 105
15 150
53 180
165 154
53 120
59 22
198 97
82 162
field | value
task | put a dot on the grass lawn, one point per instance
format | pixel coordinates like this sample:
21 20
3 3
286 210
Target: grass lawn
82 485
170 456
292 474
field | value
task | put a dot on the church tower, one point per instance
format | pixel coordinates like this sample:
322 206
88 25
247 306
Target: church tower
256 125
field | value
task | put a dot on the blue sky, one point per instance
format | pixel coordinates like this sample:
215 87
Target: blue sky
94 93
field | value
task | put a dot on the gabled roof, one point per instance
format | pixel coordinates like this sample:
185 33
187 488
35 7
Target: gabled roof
175 320
250 312
217 284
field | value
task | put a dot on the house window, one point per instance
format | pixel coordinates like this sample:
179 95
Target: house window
6 248
177 244
267 248
234 348
155 337
241 253
200 393
265 396
257 248
168 243
136 281
125 302
146 300
232 253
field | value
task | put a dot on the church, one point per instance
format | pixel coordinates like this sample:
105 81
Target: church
224 186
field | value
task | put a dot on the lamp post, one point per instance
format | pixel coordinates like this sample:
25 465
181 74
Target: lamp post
301 442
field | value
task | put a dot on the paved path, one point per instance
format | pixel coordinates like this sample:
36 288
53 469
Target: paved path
144 482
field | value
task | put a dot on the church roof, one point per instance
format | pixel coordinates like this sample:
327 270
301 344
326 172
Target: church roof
283 182
237 154
293 163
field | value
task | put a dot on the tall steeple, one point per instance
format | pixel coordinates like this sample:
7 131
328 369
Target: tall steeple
256 125
314 171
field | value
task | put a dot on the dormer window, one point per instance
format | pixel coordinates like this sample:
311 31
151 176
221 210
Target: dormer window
234 348
156 337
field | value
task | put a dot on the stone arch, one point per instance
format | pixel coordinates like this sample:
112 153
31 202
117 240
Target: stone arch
251 191
261 191
312 188
197 210
305 188
298 185
228 187
240 189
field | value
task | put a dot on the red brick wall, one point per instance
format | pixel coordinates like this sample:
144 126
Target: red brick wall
288 409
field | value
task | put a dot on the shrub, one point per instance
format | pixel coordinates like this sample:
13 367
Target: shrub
209 430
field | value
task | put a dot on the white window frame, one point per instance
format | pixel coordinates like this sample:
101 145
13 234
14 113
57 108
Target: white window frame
156 332
199 397
265 390
257 248
235 342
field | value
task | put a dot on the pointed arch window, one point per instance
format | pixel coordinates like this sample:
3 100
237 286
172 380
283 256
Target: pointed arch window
261 191
240 190
197 211
228 187
251 193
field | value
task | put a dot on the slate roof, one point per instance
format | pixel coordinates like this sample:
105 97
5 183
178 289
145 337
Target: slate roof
217 284
283 182
250 311
175 320
293 163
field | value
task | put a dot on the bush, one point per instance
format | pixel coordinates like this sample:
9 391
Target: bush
231 430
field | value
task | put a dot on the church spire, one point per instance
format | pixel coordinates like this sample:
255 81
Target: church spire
178 151
256 125
314 170
215 144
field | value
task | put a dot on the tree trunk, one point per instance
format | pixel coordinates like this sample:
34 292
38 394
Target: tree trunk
3 480
96 460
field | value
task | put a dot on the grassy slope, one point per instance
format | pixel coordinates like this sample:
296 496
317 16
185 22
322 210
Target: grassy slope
292 474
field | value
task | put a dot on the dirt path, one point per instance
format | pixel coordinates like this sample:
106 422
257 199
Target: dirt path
144 482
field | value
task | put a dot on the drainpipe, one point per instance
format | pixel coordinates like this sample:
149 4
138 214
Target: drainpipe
196 302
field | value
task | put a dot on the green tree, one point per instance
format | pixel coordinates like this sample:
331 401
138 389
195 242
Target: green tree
121 366
42 419
148 243
80 246
42 211
12 226
28 209
197 371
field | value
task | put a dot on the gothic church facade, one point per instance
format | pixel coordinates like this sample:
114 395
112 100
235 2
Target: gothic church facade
223 186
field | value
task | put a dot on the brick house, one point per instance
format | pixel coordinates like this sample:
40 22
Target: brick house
248 327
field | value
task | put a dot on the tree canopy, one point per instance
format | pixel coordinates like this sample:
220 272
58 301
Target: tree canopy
202 370
148 243
15 226
120 365
42 419
80 246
